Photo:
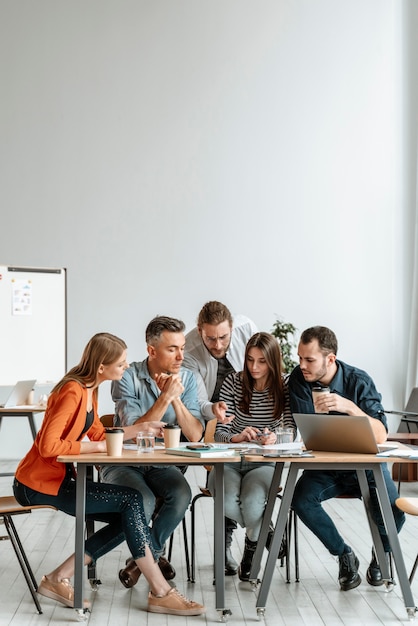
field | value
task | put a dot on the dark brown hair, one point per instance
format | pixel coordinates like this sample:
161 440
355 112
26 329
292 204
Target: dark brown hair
270 348
327 340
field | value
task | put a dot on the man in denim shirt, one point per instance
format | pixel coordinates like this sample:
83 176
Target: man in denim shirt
352 393
158 388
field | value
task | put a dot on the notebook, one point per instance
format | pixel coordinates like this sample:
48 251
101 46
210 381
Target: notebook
19 394
336 433
202 453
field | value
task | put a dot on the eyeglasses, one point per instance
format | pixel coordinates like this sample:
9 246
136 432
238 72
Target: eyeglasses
214 340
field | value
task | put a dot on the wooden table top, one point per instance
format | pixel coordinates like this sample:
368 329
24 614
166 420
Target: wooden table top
158 457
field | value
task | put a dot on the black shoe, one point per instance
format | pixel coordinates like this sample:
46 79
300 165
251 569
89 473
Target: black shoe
166 568
348 575
283 545
374 575
244 568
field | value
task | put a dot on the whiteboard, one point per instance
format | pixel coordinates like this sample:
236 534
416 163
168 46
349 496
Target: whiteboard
33 324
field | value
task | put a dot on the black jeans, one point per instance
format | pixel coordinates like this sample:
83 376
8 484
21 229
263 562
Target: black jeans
119 507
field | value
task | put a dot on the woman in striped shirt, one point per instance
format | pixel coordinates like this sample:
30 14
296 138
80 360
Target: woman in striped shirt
258 402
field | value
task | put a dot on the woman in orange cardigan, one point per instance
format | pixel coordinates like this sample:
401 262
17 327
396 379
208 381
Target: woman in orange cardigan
71 415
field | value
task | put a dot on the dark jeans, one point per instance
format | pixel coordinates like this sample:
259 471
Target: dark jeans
166 482
315 486
119 507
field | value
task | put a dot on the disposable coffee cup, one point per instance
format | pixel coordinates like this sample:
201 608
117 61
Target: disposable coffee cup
284 435
318 392
114 441
145 442
172 434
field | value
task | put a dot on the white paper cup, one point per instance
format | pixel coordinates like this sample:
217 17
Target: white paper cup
145 442
172 434
114 441
319 392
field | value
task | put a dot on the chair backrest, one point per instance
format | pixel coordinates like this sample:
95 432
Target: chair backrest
107 419
209 436
412 404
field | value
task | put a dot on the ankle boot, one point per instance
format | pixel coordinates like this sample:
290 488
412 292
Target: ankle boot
247 559
231 566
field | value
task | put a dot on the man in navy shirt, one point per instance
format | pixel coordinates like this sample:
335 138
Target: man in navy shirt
352 392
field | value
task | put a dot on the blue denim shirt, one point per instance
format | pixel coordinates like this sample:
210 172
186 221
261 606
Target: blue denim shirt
349 382
137 392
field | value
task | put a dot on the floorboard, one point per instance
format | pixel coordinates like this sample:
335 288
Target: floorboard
48 537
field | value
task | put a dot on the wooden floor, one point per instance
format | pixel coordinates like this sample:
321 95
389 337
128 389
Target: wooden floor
48 538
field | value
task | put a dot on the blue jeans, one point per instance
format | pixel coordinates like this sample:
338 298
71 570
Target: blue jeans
246 490
119 507
315 486
166 482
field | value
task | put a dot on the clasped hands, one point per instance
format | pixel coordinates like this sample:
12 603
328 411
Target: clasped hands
170 384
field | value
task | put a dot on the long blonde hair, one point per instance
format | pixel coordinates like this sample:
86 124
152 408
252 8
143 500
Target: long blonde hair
102 349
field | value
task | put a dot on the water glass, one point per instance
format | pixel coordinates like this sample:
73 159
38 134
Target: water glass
145 442
284 435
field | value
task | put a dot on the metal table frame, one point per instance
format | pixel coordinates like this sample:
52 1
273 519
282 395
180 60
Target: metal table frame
23 412
342 462
132 458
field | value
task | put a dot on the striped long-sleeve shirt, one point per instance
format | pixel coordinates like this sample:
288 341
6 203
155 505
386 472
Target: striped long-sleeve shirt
261 414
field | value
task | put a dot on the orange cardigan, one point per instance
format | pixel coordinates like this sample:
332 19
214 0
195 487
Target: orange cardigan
63 423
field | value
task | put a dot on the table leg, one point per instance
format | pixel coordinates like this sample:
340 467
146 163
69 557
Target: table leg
377 540
80 514
394 540
277 537
32 424
219 539
268 512
33 431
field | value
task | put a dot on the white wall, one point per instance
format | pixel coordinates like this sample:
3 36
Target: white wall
172 152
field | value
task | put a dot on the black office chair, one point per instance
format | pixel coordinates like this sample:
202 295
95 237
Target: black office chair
408 434
410 415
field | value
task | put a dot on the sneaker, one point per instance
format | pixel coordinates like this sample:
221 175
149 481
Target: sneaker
63 592
174 603
348 575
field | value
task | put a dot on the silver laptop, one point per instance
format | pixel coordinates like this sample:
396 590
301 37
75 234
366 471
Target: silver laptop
19 394
336 433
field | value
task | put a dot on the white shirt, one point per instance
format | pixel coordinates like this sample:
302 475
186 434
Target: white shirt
199 360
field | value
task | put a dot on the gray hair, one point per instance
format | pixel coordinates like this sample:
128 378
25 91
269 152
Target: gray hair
160 324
